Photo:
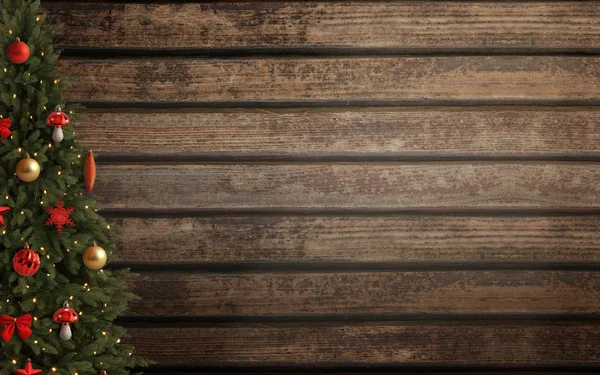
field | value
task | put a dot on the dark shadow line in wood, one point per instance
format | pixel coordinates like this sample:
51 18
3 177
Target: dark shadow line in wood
352 371
346 104
283 211
157 158
194 367
230 52
326 267
517 319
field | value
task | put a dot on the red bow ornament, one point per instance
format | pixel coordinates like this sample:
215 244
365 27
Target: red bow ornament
21 324
5 128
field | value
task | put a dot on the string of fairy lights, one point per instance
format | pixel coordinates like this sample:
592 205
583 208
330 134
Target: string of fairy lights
86 286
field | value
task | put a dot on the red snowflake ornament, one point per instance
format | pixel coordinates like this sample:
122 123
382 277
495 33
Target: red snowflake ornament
59 216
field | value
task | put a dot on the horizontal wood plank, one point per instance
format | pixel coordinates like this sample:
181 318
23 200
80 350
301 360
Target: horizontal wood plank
386 293
299 79
408 239
442 131
388 186
406 25
400 344
374 372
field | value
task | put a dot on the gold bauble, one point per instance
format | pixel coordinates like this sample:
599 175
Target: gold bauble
28 169
94 257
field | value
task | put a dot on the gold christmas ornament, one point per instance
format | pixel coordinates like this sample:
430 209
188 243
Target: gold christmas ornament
94 257
28 169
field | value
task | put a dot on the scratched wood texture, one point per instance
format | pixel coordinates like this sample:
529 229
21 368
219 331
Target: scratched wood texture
364 292
416 24
442 167
321 79
442 344
312 132
408 239
379 186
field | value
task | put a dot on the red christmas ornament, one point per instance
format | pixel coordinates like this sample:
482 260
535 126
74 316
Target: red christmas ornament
89 171
58 119
59 216
65 316
5 128
21 325
26 262
17 52
3 210
28 370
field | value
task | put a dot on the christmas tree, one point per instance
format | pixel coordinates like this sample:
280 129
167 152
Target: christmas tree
57 303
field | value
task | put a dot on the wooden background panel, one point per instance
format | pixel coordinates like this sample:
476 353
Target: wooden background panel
390 372
446 344
428 25
387 293
406 239
477 132
343 79
381 372
396 186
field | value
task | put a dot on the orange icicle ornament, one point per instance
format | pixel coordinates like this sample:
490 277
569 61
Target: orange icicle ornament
89 171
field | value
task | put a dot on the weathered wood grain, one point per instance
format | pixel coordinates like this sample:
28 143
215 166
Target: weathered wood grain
408 239
380 372
477 132
300 79
387 293
404 344
407 25
390 372
395 186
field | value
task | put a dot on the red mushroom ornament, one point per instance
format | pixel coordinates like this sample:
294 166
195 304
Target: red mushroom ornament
58 119
65 316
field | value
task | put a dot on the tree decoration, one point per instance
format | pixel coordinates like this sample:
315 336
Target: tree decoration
58 119
94 257
89 171
26 262
28 169
32 91
60 216
3 210
28 370
5 128
17 52
21 324
65 316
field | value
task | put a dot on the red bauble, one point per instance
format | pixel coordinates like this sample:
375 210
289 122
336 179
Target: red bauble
26 262
18 52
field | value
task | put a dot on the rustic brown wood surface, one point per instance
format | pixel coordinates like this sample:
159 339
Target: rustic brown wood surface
373 372
396 186
403 372
480 132
318 79
408 239
410 25
445 344
339 293
295 224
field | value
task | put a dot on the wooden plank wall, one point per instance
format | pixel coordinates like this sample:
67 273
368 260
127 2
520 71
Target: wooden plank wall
349 186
